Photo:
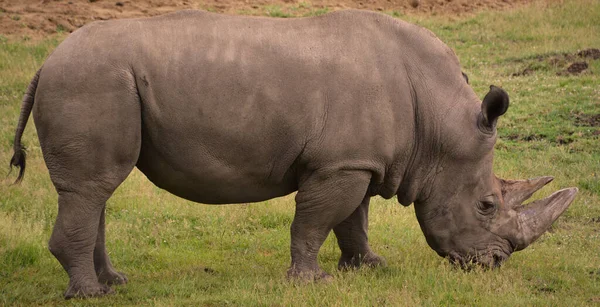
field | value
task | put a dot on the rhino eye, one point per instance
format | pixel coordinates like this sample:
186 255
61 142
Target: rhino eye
486 207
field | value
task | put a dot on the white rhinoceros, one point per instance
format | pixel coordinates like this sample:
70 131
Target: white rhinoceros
224 109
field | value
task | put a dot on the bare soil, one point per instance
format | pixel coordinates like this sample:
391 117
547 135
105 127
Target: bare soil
565 63
39 18
577 67
590 120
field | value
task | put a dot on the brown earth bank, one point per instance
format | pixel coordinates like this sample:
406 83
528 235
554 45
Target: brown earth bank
38 18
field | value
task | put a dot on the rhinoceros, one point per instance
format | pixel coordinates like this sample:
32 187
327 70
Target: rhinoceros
224 109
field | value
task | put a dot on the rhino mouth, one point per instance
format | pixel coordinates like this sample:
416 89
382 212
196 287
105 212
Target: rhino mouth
491 259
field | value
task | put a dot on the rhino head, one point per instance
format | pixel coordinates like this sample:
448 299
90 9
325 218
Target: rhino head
468 214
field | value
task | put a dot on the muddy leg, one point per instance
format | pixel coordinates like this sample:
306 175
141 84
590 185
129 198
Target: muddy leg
104 269
353 240
323 201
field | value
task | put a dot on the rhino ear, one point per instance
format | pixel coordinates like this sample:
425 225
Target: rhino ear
494 104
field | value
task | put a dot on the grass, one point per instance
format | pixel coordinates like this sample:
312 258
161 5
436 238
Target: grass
302 9
179 253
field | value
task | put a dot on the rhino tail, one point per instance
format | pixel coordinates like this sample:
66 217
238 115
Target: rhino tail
19 155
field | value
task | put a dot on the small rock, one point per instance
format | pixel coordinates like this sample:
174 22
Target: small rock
119 3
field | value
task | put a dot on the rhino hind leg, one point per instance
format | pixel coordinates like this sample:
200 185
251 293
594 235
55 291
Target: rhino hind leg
323 201
104 269
77 240
89 151
353 240
72 243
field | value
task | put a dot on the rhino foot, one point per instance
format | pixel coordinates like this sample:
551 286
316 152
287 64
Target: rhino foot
309 276
111 277
87 290
371 260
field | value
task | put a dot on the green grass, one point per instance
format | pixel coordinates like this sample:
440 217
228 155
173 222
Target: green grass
302 9
180 253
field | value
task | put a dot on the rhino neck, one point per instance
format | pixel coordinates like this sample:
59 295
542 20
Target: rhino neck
442 116
424 151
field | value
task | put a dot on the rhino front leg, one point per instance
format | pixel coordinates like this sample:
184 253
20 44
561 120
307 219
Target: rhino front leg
323 201
353 241
104 269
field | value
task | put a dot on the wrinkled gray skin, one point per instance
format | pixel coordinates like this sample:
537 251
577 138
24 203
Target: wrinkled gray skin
222 109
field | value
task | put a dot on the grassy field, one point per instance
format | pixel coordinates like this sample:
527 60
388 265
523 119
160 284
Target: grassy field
180 253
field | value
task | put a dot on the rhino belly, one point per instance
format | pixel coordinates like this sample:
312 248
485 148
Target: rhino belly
207 178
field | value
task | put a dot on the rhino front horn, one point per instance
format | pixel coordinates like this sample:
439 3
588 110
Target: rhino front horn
535 218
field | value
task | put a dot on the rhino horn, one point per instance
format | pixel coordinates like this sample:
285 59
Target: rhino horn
515 192
535 218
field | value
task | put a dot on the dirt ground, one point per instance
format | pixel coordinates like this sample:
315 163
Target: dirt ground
39 18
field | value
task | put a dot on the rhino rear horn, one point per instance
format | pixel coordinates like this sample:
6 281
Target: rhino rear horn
515 192
495 103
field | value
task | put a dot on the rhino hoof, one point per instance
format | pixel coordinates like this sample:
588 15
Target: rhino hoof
309 276
112 278
96 290
371 260
375 261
